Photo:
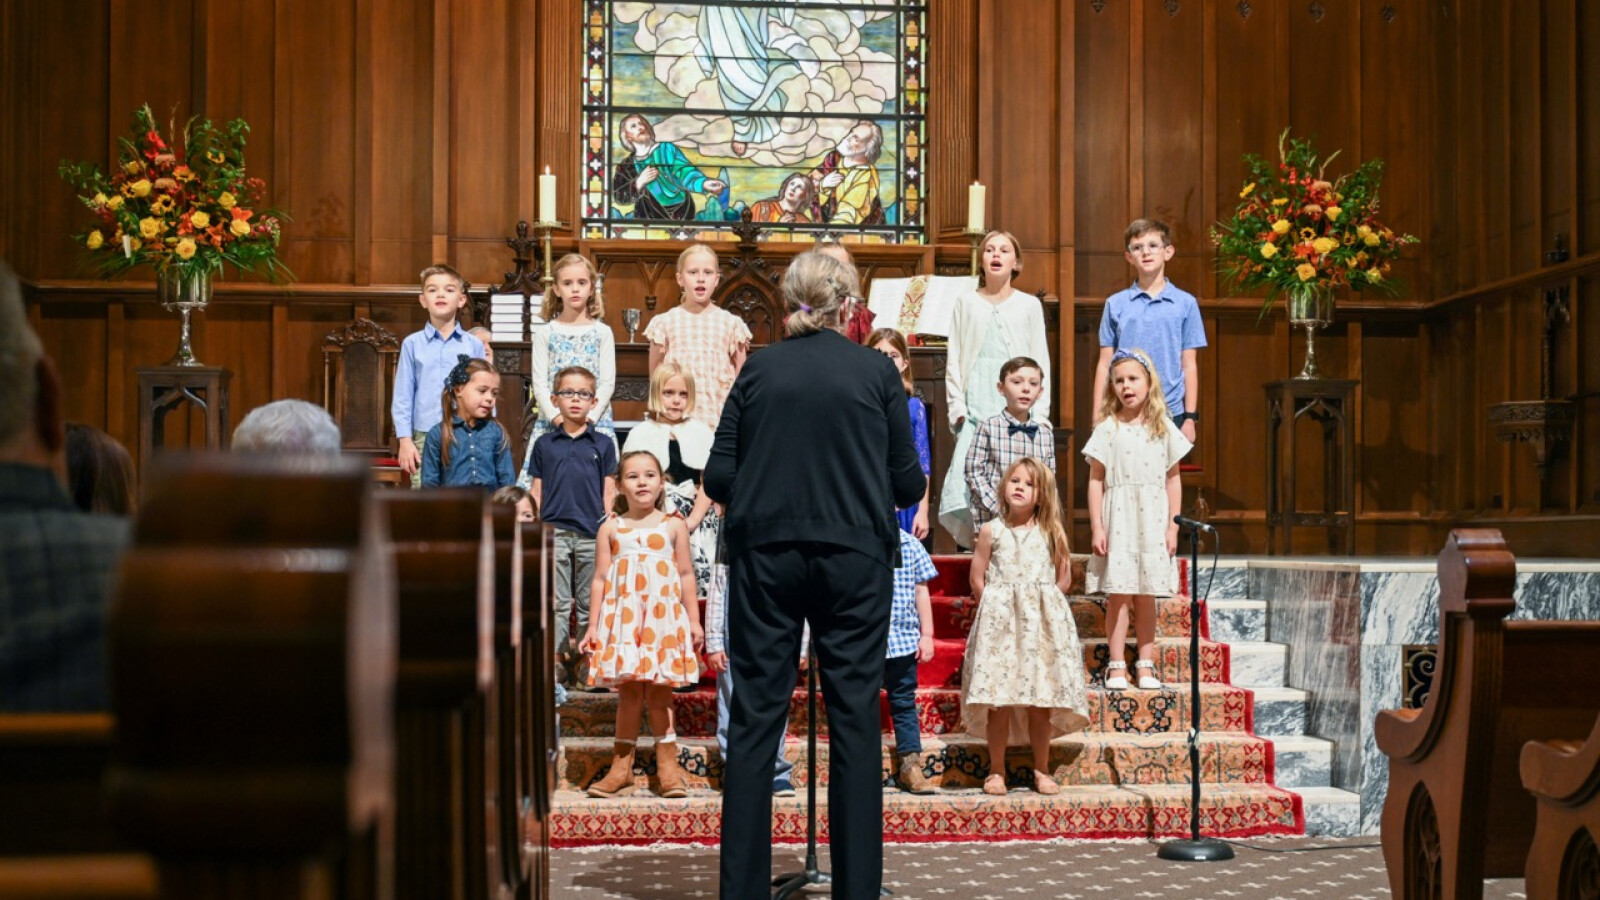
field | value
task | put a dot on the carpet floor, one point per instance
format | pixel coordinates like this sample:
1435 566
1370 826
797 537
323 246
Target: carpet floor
1297 868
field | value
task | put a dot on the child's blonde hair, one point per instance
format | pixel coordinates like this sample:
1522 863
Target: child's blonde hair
552 301
1154 415
696 247
898 342
1016 248
620 504
658 383
1046 504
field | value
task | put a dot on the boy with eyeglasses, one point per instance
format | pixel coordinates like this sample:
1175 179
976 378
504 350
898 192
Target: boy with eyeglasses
1155 316
574 481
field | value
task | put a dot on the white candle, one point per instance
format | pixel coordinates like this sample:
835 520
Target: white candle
975 198
547 196
127 246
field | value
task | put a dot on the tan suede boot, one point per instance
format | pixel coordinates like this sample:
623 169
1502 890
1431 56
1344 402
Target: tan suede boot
912 778
674 781
619 781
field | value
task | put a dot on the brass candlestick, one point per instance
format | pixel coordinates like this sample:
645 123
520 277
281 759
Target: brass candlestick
545 230
976 237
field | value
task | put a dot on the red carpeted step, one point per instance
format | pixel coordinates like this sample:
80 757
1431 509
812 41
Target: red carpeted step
953 615
1100 811
1223 708
955 574
955 762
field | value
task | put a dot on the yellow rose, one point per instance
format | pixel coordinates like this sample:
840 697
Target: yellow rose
1306 271
132 166
1362 231
95 241
226 201
149 227
199 219
1324 244
1333 213
1269 250
99 199
1371 239
134 244
1374 275
1281 226
1280 201
114 201
1247 189
141 188
185 248
240 227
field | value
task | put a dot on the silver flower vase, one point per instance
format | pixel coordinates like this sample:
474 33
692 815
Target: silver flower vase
1310 307
184 291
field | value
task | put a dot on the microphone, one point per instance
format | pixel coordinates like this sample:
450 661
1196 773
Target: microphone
1196 524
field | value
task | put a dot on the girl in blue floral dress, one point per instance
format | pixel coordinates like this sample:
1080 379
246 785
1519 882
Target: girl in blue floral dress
891 343
575 336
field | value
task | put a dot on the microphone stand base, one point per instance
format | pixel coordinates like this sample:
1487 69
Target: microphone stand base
790 885
1198 850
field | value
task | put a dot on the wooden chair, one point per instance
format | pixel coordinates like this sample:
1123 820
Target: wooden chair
1456 811
1564 778
358 368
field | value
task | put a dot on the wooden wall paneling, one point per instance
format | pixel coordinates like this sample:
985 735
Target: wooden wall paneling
362 189
66 108
399 182
1395 124
241 336
1470 134
484 160
1497 100
1442 161
240 81
1558 119
78 338
1023 196
152 57
314 108
1247 119
441 137
1067 381
1587 102
560 115
1324 91
13 69
114 368
1396 455
1251 355
1527 136
952 115
1584 333
1170 117
1102 37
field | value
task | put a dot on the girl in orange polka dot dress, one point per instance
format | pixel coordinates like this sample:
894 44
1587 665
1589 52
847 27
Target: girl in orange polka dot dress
644 632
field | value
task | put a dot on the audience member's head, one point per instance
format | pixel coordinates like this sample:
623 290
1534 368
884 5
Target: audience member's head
288 427
815 288
30 392
483 334
511 495
99 471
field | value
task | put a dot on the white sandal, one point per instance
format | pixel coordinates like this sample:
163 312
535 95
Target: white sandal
1147 682
1116 682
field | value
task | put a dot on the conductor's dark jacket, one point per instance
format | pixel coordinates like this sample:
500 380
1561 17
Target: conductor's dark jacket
815 445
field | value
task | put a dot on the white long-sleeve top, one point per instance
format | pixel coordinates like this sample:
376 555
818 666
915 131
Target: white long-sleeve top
1023 317
605 368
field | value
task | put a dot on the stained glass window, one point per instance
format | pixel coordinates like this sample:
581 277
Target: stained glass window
809 115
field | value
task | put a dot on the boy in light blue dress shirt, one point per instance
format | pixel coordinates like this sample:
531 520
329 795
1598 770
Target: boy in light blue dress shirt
426 359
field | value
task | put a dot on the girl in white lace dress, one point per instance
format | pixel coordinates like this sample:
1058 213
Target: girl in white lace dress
1134 491
1024 661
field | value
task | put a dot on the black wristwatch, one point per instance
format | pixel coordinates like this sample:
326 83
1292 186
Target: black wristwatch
1182 417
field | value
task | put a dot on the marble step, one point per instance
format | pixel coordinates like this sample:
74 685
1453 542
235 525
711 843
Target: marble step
1330 811
1096 811
1279 711
1134 711
1301 761
1237 619
1253 664
957 762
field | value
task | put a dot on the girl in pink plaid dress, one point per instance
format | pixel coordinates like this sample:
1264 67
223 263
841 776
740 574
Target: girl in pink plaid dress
699 335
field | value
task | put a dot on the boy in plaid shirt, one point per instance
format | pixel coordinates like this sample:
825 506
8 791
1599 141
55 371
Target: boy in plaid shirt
910 642
1002 440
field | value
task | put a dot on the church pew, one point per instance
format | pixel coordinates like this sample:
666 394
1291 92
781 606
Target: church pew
1456 812
1564 778
443 554
536 703
504 744
251 649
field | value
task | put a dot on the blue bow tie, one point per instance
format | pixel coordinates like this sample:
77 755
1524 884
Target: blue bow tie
1029 430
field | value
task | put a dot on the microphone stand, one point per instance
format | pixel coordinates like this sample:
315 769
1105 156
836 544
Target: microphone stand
1195 848
786 886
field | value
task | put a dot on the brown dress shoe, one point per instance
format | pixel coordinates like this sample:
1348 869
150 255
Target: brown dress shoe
619 781
912 778
674 782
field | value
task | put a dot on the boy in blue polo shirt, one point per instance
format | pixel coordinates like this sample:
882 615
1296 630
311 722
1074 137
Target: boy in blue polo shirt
1154 316
574 472
426 358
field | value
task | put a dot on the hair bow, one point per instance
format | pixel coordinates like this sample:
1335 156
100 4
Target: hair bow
458 376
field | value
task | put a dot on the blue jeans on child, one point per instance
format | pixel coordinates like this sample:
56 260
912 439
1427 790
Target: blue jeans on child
781 768
574 573
900 683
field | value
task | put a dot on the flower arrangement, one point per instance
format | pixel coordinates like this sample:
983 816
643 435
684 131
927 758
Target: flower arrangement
187 212
1294 229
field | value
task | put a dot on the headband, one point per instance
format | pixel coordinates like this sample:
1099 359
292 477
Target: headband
459 376
1135 355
